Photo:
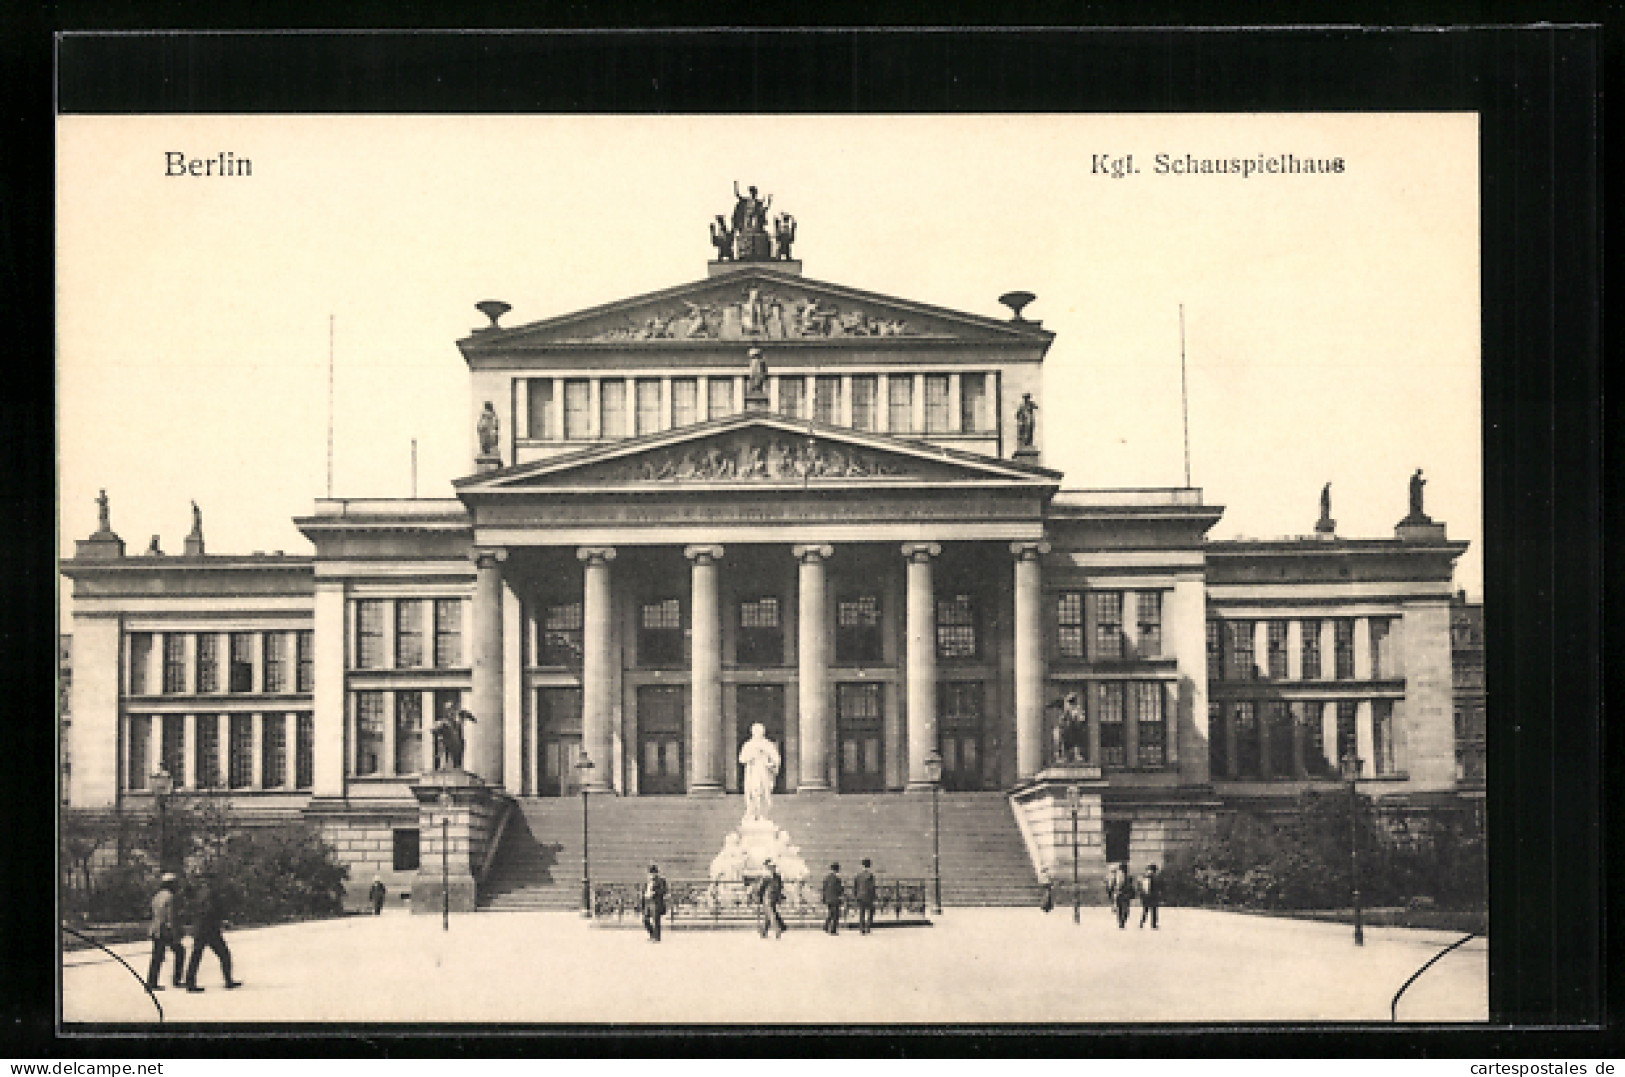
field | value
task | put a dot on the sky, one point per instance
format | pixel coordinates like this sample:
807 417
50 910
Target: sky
1331 322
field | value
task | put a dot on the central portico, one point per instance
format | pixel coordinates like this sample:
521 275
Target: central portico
648 601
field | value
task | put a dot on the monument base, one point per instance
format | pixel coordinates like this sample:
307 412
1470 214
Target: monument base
746 851
456 815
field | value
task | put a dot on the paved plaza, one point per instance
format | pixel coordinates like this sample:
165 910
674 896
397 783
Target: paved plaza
972 966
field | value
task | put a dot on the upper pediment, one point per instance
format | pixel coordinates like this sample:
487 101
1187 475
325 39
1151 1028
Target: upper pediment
759 449
755 306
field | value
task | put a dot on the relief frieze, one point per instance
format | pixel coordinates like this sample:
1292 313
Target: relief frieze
756 314
753 457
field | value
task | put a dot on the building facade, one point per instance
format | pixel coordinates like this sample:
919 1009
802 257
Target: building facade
763 499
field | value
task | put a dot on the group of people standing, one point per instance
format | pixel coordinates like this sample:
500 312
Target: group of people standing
1121 890
767 893
208 921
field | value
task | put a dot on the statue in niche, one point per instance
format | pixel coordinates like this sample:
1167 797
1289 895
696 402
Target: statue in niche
1025 415
722 238
784 234
449 740
103 517
760 758
489 427
1417 482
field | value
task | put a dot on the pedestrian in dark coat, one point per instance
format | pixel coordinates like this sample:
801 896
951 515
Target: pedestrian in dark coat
376 895
654 903
165 933
769 892
834 890
206 927
1123 894
1150 896
863 892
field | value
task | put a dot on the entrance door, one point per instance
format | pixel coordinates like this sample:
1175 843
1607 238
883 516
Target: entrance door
959 733
859 730
660 740
1117 834
762 703
558 743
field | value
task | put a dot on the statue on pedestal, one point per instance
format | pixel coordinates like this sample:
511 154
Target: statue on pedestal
784 234
756 382
1074 729
197 521
760 758
103 518
488 428
1417 482
722 238
1026 412
448 739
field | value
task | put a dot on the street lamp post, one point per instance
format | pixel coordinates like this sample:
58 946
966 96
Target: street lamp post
445 861
1351 772
585 766
933 771
1074 800
162 786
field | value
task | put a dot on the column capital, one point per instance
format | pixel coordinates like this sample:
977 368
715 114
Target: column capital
600 554
1029 551
921 552
487 556
812 552
695 553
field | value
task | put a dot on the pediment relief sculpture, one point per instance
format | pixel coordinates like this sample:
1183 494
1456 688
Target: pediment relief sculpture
755 457
756 314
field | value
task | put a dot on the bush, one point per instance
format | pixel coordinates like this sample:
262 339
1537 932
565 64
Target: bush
281 873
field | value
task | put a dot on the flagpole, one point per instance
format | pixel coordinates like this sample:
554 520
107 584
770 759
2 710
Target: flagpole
1184 398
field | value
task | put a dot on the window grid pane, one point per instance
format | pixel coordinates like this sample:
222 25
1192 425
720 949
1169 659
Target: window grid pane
1149 724
174 663
369 634
1343 642
577 408
172 752
408 634
900 403
936 403
1277 645
719 397
827 399
1382 736
1278 719
1109 717
864 389
612 409
274 750
1239 650
858 703
1108 625
140 734
685 401
206 753
541 408
1148 612
369 732
1347 737
1069 623
276 662
562 639
140 656
240 751
208 662
1311 650
972 395
648 404
448 633
1215 650
242 662
305 753
305 646
1248 756
857 629
408 732
956 627
793 397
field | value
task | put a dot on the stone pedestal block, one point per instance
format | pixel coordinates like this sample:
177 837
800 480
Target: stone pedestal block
1047 819
456 815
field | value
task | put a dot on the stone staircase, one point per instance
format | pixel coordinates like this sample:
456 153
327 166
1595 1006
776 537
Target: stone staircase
984 861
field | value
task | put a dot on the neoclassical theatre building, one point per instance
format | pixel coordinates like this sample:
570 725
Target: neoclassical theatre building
761 498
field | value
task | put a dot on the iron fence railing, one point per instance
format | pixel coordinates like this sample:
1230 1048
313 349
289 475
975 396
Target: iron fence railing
698 902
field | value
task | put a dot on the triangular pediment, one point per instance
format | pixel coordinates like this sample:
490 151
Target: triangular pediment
760 449
756 306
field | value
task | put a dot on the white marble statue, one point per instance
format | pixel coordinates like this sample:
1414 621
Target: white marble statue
760 758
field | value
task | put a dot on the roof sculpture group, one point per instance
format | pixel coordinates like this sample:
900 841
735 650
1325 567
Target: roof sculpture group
744 237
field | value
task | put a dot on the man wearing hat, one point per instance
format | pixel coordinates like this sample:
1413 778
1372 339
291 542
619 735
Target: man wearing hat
863 892
164 933
833 891
769 892
207 922
654 903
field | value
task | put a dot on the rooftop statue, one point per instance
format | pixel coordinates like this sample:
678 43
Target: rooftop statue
784 234
1024 421
197 521
1326 502
1417 482
722 238
488 428
103 519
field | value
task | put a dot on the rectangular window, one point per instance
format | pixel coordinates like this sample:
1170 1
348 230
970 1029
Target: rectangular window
761 632
1311 650
1215 650
1249 757
973 402
1238 646
1218 740
208 662
719 397
172 750
648 405
1108 625
448 633
1382 737
274 751
408 634
369 732
558 710
1347 736
541 409
305 649
793 397
865 387
562 641
577 409
206 752
1109 716
408 732
1308 716
936 403
1149 725
174 663
369 634
956 627
304 756
827 399
1382 660
240 752
1343 641
276 661
140 734
1148 617
900 403
1276 633
1069 624
685 401
1278 722
405 852
612 408
857 630
140 661
242 662
660 633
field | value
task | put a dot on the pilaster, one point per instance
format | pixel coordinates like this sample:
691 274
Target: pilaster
812 649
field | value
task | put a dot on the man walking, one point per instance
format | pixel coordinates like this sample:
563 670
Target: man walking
863 892
1123 894
834 890
164 931
206 926
1150 896
654 903
769 892
376 894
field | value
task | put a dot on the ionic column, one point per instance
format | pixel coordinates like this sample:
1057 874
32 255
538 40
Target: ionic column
812 652
1029 629
483 754
597 682
705 723
922 661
